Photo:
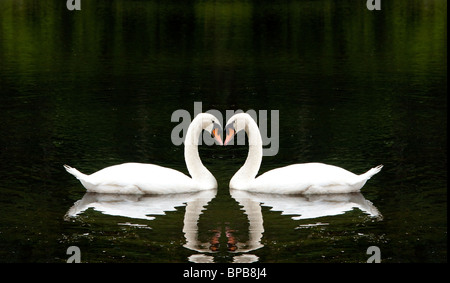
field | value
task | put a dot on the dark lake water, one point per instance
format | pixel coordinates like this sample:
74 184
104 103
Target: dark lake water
97 87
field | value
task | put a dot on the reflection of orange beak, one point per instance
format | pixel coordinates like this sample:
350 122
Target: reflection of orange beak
216 135
230 135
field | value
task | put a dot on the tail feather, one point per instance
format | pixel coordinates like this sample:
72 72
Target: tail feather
74 172
372 172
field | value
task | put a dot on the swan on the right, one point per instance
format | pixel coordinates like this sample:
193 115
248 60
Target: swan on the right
304 178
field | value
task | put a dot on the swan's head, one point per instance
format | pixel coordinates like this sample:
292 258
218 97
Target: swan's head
235 124
212 125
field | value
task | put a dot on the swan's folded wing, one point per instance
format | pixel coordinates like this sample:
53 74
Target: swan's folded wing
305 178
140 178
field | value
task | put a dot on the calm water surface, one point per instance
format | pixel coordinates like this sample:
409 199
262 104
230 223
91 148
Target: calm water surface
97 87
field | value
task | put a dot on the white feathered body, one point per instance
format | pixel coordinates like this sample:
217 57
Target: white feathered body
138 178
306 178
302 178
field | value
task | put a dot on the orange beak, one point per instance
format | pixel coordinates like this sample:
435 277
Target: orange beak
216 136
230 135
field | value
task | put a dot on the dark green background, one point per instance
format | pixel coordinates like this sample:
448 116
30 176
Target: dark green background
97 87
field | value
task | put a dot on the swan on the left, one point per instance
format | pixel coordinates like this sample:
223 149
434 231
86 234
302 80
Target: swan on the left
140 178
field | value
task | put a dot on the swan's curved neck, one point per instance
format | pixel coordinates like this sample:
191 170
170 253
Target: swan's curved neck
197 170
249 170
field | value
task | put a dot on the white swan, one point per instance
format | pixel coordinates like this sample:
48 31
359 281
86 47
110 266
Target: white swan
305 178
139 178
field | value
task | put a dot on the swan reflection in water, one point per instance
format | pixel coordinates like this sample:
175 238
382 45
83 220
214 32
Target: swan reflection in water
148 206
139 206
310 206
